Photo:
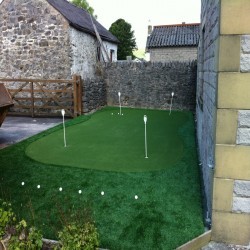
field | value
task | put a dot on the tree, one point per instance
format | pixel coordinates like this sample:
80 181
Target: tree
122 30
84 5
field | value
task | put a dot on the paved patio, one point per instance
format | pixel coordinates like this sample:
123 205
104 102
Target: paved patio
221 246
15 129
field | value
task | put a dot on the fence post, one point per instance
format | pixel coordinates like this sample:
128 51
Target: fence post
79 92
75 95
32 98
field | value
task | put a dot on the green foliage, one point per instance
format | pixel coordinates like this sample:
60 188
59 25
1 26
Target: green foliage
21 238
25 239
122 30
7 217
76 236
84 5
79 231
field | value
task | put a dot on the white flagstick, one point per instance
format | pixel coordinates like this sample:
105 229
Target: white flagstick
146 144
64 135
119 94
172 95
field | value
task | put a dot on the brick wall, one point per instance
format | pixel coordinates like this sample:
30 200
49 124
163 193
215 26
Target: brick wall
149 85
173 54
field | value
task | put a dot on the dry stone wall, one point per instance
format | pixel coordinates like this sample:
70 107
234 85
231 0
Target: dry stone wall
149 85
94 94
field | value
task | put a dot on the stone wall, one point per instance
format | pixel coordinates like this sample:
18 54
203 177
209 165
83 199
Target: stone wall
94 94
34 41
149 85
206 96
241 197
243 130
233 141
84 53
173 54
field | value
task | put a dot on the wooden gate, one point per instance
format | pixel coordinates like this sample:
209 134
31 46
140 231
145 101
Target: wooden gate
40 97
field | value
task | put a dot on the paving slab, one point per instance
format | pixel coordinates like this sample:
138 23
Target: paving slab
15 129
221 246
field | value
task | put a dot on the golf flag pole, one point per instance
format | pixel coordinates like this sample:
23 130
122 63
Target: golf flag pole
146 144
64 134
172 95
119 94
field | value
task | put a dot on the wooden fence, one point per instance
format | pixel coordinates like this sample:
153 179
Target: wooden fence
45 97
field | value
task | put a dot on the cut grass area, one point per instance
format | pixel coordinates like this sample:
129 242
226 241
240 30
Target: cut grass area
113 142
167 213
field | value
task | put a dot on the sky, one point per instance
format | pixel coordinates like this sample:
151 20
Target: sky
141 13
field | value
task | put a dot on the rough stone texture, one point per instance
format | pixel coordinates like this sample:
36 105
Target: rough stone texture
241 205
245 53
221 246
242 188
243 136
241 198
173 54
243 131
206 94
94 94
244 119
215 246
83 53
34 40
149 85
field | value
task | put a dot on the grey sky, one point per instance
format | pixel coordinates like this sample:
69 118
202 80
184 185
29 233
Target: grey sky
139 12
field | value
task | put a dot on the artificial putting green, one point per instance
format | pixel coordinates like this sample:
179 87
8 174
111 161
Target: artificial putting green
112 142
167 214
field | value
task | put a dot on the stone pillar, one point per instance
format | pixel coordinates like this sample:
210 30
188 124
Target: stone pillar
231 193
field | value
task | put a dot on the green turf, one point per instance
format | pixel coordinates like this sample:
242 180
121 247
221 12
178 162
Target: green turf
112 142
167 214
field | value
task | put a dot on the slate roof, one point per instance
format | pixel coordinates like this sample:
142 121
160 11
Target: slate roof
174 35
80 19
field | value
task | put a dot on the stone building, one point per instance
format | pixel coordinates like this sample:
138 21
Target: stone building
177 42
50 39
223 117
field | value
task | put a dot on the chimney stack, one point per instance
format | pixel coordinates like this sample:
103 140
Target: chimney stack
149 30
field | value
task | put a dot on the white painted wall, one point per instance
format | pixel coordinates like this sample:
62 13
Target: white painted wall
84 52
110 46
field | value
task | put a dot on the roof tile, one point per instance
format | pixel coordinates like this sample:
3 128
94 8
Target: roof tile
174 35
80 19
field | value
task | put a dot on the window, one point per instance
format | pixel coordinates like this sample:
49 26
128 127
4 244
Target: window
111 55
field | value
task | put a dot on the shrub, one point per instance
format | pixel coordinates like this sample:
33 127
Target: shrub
17 236
7 217
25 239
75 236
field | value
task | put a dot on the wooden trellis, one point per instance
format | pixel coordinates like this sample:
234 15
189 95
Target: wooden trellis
43 97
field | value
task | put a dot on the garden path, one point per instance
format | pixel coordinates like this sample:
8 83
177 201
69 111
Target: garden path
15 129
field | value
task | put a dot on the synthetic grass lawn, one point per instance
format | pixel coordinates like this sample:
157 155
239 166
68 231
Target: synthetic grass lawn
113 142
166 214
